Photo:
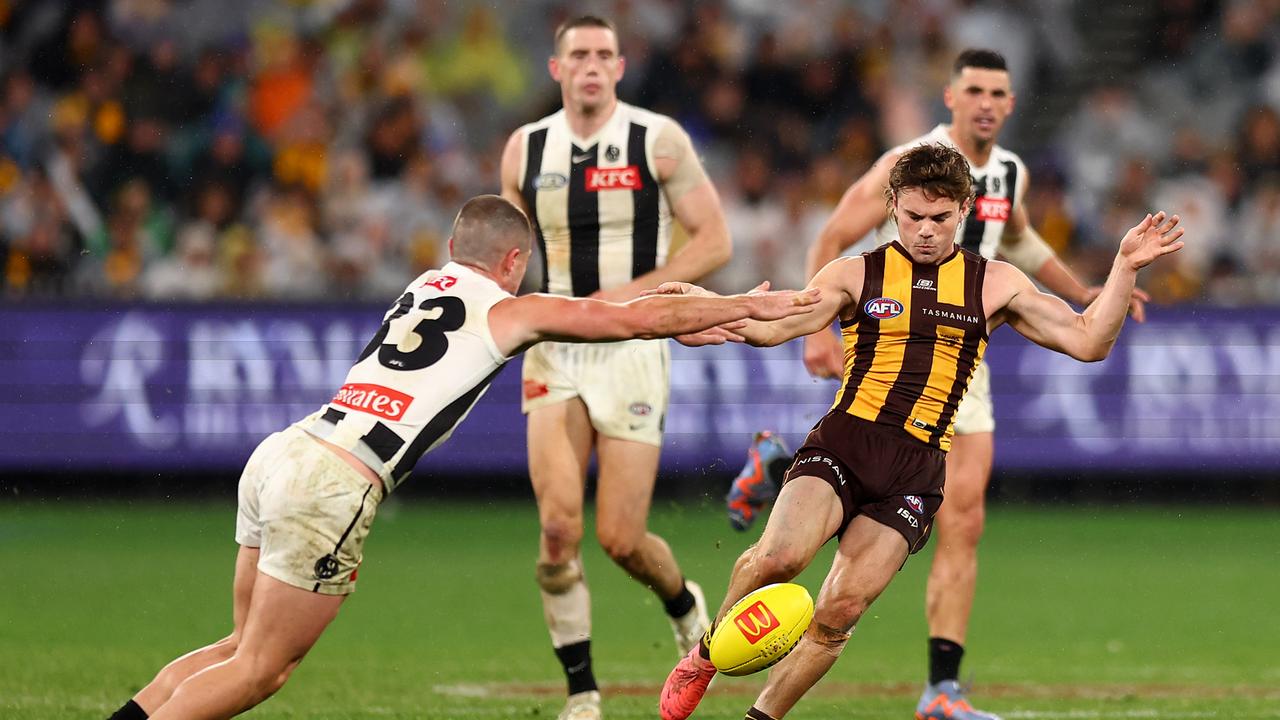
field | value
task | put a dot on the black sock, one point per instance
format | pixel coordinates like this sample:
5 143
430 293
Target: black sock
576 659
130 711
756 713
681 604
944 660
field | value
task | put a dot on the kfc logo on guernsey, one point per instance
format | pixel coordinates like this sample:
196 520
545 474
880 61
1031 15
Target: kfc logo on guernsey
992 209
623 178
373 399
883 308
756 621
442 283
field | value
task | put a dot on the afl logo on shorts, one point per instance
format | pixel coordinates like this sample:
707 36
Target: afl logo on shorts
883 308
915 503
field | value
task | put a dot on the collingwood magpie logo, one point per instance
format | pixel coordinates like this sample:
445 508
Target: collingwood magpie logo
612 153
326 567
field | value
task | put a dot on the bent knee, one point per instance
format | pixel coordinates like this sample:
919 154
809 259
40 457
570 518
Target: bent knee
842 611
562 533
962 524
778 565
620 546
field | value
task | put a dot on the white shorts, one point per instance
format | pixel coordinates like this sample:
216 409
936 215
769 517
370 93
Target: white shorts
976 413
308 511
624 385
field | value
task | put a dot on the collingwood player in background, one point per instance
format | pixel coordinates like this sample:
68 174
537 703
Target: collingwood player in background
601 180
308 494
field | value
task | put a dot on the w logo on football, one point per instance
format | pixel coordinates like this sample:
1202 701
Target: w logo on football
756 621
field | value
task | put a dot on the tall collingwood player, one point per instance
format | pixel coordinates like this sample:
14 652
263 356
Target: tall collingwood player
601 180
980 99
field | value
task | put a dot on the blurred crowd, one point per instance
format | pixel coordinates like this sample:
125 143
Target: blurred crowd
317 149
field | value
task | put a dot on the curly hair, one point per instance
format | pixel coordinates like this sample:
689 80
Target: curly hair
937 170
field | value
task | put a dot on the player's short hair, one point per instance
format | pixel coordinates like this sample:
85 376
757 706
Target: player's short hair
594 21
982 58
487 228
936 169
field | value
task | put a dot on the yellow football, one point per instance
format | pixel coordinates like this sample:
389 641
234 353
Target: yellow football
761 629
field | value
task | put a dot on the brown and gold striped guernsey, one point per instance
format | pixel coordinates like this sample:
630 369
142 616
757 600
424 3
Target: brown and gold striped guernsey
914 341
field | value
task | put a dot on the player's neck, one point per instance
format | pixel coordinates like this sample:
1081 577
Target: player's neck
978 152
585 124
484 271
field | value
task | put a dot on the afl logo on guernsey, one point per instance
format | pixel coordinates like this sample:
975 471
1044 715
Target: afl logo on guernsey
550 181
883 308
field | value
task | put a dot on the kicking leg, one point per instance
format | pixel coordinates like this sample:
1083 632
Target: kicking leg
867 559
282 624
807 514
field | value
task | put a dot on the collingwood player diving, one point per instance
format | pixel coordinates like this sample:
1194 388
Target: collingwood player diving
601 181
309 493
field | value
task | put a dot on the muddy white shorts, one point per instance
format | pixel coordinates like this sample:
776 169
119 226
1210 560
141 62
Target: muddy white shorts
624 385
307 510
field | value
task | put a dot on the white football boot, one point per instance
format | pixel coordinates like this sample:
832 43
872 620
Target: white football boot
690 627
582 706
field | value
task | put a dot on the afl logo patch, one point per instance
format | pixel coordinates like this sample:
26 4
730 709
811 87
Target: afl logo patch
550 181
916 504
883 308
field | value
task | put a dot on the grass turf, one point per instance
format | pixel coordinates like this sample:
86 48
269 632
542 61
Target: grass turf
1118 612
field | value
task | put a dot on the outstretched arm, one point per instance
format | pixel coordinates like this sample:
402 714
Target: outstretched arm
839 283
1048 321
519 322
1022 246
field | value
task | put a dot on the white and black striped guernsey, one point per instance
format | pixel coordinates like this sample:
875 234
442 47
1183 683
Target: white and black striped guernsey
600 217
999 186
419 376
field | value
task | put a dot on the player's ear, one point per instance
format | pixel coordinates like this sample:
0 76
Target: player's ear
553 67
450 247
622 66
511 261
948 98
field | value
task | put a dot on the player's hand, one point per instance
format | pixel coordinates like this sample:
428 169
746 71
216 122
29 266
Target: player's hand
678 288
1156 235
783 303
714 336
1137 302
823 356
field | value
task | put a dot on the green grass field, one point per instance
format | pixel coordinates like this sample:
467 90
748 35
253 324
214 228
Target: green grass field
1118 612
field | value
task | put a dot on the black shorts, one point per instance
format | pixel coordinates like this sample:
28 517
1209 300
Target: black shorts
877 471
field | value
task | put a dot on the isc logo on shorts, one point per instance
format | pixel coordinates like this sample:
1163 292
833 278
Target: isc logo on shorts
883 308
623 178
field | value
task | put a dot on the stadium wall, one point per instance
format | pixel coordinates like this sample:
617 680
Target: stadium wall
141 393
